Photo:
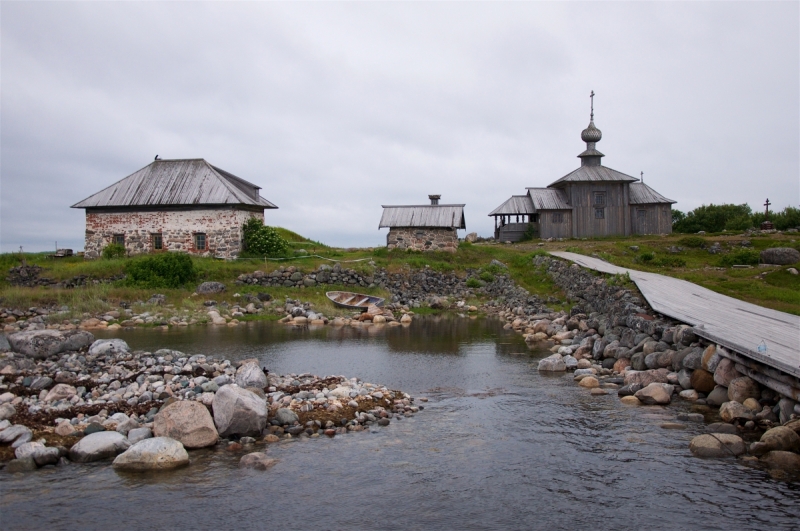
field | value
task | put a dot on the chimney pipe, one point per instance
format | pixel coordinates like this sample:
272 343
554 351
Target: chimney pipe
434 199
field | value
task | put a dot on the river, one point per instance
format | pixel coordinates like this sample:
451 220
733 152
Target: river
498 446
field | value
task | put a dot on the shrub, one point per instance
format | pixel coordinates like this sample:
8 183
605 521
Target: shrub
713 218
530 233
163 270
262 240
380 252
645 257
113 250
486 276
670 261
740 257
692 241
473 282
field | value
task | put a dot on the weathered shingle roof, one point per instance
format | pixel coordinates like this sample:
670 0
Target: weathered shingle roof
548 199
641 194
177 182
594 174
449 216
517 204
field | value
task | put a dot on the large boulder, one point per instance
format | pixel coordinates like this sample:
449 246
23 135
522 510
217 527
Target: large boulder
188 422
717 445
730 411
210 287
98 445
742 388
40 344
238 411
156 453
726 372
106 347
655 393
684 335
780 256
251 375
14 434
554 363
718 396
702 381
779 438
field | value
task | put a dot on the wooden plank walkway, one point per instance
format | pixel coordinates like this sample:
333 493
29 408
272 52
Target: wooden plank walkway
734 324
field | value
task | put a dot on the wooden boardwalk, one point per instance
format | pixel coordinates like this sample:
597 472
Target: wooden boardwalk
737 325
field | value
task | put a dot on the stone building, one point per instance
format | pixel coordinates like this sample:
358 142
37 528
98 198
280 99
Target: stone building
591 201
185 205
431 227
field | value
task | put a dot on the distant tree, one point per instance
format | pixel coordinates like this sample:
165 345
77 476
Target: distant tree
677 216
789 218
715 218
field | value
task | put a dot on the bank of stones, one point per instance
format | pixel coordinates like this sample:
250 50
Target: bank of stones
615 343
48 406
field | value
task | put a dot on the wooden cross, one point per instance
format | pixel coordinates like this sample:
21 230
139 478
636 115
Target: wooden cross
591 98
766 212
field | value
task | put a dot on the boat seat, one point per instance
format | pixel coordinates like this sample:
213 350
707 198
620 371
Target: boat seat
362 301
348 299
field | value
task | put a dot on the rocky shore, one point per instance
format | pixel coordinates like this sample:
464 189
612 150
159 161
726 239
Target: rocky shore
615 344
68 398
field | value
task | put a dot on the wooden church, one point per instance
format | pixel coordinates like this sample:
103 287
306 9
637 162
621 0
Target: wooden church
591 201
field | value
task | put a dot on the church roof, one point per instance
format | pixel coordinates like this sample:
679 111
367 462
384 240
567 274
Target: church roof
175 183
641 194
548 199
594 174
516 204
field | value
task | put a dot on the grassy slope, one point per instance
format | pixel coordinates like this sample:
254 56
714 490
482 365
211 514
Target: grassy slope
777 289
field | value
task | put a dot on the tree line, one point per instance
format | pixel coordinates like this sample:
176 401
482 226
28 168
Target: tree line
716 218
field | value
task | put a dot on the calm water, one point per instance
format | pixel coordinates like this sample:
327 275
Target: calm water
499 446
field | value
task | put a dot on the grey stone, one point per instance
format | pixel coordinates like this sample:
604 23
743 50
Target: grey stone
251 375
655 393
717 445
210 287
629 390
139 434
26 464
155 453
694 359
721 427
780 256
257 461
188 422
286 416
46 456
554 363
27 449
742 388
106 347
7 411
685 378
726 372
238 411
98 446
12 433
732 410
40 344
718 396
785 408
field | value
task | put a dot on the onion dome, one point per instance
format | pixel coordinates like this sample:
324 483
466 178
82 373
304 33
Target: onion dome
591 133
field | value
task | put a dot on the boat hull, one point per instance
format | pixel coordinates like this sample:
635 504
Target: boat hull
354 301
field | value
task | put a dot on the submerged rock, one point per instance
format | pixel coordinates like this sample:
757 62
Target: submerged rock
157 453
717 445
98 446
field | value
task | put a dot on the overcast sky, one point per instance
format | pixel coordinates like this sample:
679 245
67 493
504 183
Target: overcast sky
337 108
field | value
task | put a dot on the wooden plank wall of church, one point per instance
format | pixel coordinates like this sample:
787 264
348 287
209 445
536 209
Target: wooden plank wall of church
651 219
551 227
615 211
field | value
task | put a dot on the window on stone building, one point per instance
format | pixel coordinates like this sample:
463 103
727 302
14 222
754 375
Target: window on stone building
558 217
599 213
599 199
200 241
119 239
158 242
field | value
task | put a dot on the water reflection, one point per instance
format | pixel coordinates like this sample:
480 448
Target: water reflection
499 446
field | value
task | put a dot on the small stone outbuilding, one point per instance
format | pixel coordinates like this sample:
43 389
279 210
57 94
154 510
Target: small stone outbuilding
185 205
432 227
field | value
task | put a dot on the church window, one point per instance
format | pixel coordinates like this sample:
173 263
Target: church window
599 213
558 217
599 199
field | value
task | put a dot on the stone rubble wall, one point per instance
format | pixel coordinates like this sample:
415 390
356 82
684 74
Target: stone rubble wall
422 239
222 227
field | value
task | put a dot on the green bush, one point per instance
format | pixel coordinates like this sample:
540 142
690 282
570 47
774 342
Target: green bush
713 218
740 257
530 233
261 240
486 276
645 257
380 252
670 261
113 250
163 270
473 282
692 241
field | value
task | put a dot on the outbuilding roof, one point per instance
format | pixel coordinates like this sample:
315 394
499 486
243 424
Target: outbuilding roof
516 204
436 216
595 174
548 199
641 194
178 182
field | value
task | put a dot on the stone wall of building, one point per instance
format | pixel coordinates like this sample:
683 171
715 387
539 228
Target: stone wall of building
222 227
422 239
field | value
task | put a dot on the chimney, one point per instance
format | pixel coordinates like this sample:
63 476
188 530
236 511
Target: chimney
434 199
